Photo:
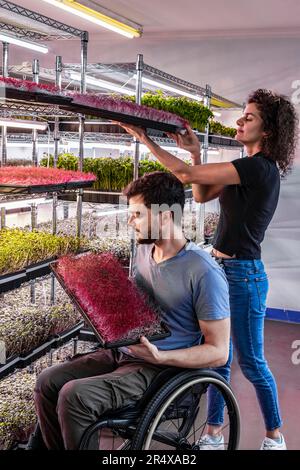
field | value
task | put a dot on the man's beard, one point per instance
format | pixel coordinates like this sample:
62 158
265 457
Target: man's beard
146 241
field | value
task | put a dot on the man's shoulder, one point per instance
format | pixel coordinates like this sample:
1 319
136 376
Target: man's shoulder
199 255
201 263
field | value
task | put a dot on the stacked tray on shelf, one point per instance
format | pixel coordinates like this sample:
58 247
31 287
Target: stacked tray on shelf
33 180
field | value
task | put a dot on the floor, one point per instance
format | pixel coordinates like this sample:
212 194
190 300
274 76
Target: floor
279 338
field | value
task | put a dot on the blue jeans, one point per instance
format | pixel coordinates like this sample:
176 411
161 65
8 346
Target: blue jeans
248 288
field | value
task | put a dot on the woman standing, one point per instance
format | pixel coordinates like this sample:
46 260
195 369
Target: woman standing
248 190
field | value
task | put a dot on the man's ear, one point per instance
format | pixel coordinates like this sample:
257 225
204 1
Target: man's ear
166 217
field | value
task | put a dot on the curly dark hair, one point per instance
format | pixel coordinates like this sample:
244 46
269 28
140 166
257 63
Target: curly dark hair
281 124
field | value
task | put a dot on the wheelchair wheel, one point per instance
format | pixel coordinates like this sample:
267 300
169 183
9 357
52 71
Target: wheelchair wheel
113 434
177 417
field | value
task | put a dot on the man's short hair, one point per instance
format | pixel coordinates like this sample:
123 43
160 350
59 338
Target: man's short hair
157 187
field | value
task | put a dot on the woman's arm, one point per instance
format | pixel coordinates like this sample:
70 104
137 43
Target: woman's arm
205 192
207 174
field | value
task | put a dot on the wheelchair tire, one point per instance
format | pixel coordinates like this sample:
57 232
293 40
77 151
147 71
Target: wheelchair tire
148 434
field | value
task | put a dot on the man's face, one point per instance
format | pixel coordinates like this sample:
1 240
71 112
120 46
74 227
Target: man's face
141 220
161 222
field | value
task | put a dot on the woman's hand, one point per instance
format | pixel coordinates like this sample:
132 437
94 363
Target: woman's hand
147 351
188 141
137 132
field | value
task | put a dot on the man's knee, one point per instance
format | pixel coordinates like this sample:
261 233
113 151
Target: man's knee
47 381
69 394
76 397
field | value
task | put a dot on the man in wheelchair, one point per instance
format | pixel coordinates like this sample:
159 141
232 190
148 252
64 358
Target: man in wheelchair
192 291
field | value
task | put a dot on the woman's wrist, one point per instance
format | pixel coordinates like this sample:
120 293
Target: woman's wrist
196 159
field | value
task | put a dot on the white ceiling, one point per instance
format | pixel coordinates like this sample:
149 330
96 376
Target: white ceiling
234 45
191 17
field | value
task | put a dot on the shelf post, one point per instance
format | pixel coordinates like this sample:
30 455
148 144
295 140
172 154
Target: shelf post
54 213
2 352
32 291
58 72
53 289
4 128
75 345
200 208
36 79
138 99
33 216
84 47
84 50
207 99
3 218
81 156
66 210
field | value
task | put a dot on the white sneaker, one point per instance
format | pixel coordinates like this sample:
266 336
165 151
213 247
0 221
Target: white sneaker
207 442
270 444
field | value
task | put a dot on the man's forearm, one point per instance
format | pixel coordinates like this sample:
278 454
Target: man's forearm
205 355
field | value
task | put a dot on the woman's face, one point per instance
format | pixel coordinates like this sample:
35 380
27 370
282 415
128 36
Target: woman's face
250 126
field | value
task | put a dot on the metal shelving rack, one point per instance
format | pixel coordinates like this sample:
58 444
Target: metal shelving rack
130 75
42 28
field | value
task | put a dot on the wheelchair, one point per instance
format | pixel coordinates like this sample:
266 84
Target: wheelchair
172 415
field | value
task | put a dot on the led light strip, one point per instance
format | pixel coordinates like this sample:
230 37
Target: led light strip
18 123
23 43
72 6
102 84
170 88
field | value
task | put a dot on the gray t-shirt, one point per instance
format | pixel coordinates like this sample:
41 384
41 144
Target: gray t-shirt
189 287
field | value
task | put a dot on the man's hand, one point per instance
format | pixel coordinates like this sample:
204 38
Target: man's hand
188 141
147 351
137 132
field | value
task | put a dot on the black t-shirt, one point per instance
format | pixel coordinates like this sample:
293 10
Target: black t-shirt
247 208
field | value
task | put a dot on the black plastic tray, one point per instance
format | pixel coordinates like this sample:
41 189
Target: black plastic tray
35 97
56 341
125 118
104 344
14 280
47 188
223 140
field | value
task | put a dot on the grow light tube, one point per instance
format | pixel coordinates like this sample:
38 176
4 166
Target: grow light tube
86 13
149 81
102 84
18 123
23 43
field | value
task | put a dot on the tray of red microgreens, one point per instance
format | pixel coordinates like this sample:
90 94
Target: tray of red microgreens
112 304
117 108
30 179
27 91
114 107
